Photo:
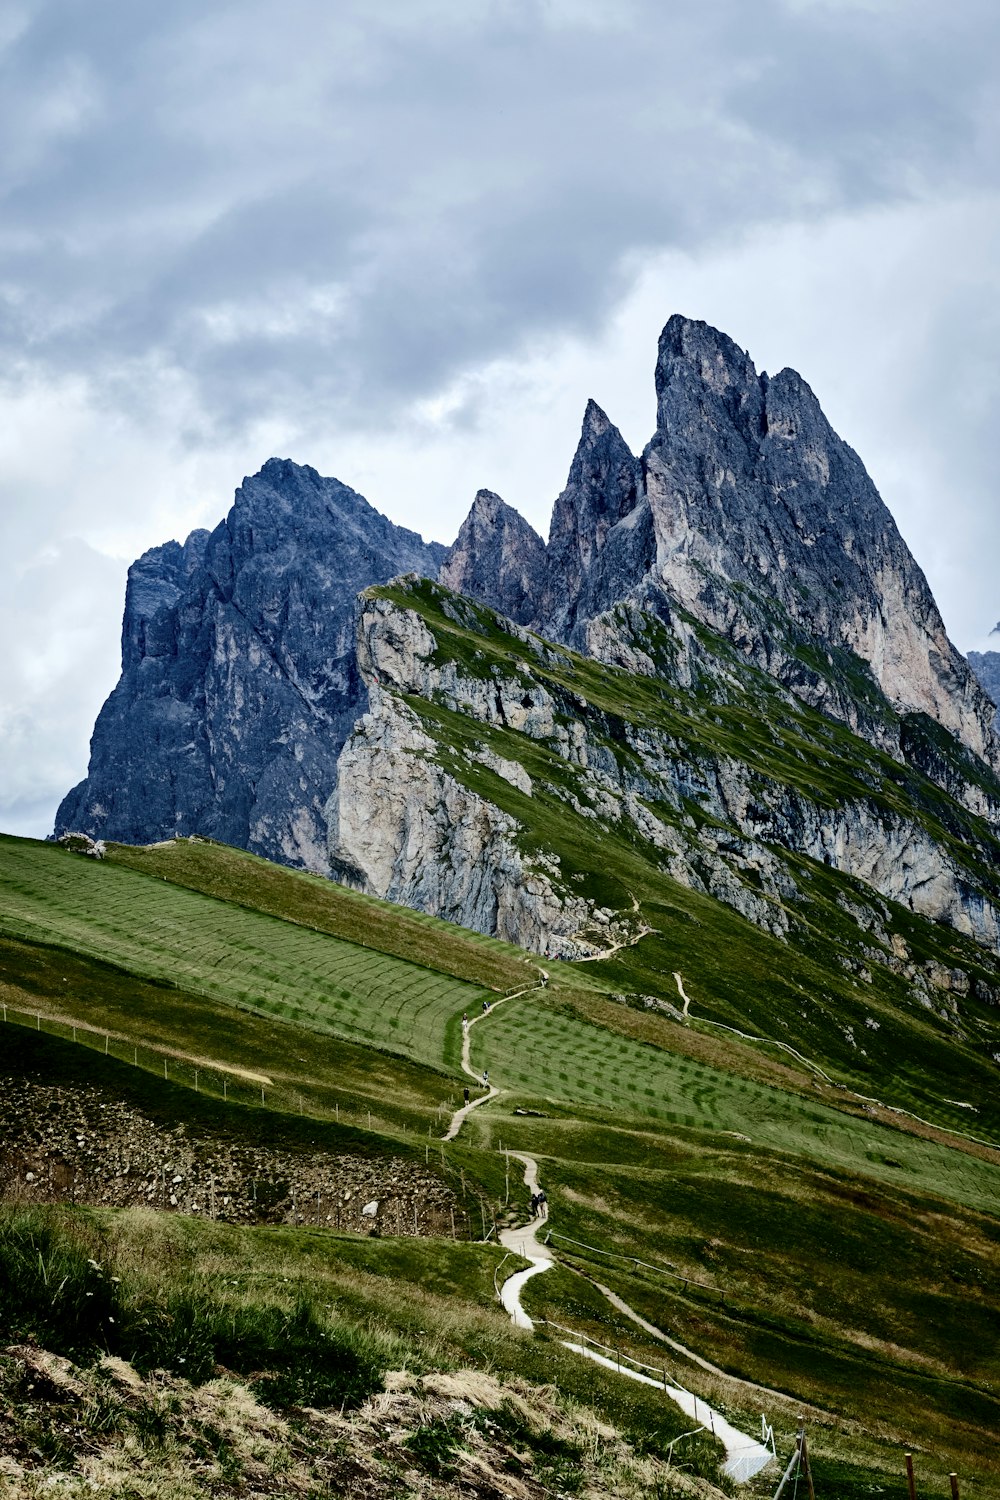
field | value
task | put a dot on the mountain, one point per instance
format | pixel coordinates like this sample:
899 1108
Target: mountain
986 665
724 649
749 515
239 683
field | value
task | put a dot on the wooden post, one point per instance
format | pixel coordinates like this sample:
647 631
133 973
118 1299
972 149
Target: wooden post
164 1067
106 1040
453 1235
911 1483
954 1486
369 1119
135 1056
225 1090
196 1080
337 1110
806 1464
262 1093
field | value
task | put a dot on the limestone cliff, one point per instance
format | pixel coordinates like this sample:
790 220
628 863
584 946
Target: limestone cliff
414 819
239 683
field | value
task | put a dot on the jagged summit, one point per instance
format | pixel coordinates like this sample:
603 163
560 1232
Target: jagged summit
746 514
497 556
239 682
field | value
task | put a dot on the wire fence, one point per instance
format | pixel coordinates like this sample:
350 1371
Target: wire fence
634 1260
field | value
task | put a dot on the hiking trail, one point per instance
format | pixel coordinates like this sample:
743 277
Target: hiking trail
745 1456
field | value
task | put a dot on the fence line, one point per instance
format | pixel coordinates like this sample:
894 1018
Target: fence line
634 1260
212 1079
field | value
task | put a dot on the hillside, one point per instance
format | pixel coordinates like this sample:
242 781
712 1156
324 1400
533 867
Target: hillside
778 1207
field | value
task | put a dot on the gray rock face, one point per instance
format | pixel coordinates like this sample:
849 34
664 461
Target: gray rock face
239 682
748 513
406 827
499 556
986 665
601 540
756 501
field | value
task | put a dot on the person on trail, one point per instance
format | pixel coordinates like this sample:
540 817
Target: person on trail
486 1079
543 1204
486 1006
465 1026
534 1205
466 1093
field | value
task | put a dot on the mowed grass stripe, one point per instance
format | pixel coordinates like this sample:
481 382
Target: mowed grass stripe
163 931
546 1052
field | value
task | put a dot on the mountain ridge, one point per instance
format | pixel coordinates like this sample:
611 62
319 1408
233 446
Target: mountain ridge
747 539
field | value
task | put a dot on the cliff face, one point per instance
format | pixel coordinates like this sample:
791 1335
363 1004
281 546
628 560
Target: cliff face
743 571
749 515
757 503
239 682
446 810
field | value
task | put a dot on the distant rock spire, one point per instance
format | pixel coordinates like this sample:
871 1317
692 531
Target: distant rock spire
498 558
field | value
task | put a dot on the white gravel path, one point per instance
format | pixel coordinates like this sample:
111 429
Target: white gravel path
745 1457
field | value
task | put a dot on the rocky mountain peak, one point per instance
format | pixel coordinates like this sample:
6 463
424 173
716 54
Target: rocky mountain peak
604 487
239 679
497 557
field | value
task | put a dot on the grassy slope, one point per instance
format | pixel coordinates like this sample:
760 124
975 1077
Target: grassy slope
833 990
228 952
807 1225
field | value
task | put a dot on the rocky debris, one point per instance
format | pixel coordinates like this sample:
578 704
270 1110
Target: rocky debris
61 1144
239 684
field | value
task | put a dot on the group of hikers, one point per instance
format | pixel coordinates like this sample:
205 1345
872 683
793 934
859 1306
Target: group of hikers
539 1205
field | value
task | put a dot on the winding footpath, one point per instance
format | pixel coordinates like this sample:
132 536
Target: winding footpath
745 1456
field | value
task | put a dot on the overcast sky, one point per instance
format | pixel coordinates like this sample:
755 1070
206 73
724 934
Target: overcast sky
404 242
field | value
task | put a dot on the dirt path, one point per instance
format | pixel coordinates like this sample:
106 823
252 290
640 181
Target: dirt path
524 1241
745 1457
455 1124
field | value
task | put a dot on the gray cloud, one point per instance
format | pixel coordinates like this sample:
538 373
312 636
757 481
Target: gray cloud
350 204
232 230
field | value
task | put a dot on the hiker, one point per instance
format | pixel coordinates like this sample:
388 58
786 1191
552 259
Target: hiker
534 1205
543 1204
465 1026
466 1093
486 1079
486 1006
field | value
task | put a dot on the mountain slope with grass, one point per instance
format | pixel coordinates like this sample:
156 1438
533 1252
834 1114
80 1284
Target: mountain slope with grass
798 1241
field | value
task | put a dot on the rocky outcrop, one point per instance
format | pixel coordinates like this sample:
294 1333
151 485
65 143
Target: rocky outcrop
601 540
409 820
757 503
986 665
404 828
497 557
239 684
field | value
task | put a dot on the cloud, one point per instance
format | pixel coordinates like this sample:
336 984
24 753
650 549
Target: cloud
405 240
351 205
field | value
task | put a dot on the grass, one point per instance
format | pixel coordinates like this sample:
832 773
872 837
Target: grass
161 1027
227 952
546 1054
233 875
206 1294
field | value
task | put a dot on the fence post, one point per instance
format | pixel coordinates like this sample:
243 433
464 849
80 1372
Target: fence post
910 1482
806 1464
954 1486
